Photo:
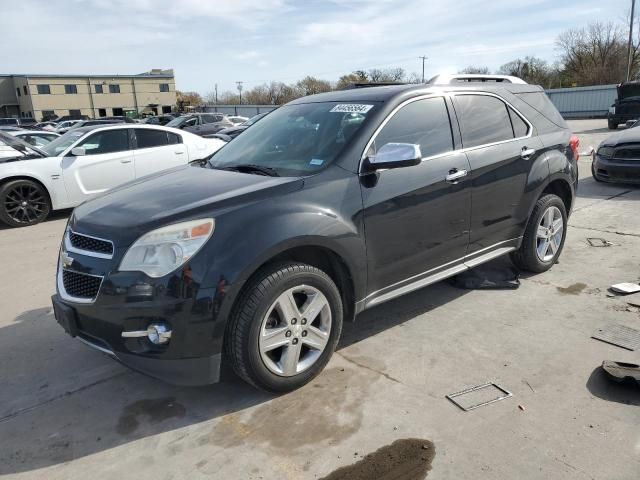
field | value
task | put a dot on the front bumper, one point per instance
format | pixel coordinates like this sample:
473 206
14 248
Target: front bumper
616 170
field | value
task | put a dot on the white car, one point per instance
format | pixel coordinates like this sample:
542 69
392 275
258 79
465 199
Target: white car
86 162
37 138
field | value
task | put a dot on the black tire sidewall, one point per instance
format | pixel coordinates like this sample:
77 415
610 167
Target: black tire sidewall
6 188
258 371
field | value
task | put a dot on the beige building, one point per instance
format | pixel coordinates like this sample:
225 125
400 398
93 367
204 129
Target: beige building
43 96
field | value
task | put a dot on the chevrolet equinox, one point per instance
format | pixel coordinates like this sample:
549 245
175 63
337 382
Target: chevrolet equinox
332 204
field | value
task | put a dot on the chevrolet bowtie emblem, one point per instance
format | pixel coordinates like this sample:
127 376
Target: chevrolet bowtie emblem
67 261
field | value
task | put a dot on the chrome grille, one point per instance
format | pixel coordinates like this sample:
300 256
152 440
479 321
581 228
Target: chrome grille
89 245
80 285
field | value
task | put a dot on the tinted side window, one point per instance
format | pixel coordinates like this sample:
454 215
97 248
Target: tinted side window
520 127
540 102
109 141
208 118
483 120
173 138
423 122
151 138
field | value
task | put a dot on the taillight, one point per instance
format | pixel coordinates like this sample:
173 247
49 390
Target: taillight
574 143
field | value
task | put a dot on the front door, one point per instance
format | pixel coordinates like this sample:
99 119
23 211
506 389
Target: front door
416 221
107 163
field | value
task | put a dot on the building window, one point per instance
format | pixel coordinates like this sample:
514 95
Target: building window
44 90
25 90
98 88
29 114
75 113
114 88
18 91
70 89
118 112
48 114
102 112
166 109
164 87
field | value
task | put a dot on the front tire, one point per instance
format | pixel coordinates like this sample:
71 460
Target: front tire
544 236
23 203
285 327
612 124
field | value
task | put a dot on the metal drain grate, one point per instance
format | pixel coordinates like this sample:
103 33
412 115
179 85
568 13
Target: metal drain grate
473 394
619 335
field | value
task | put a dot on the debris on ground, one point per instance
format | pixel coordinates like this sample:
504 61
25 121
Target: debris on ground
478 396
621 371
487 277
625 288
406 459
619 335
598 242
521 407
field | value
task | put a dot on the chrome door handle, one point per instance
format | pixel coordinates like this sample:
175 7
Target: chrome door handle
455 175
125 160
179 153
527 153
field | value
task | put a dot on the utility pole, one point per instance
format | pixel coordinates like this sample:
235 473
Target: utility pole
424 58
239 84
216 94
630 57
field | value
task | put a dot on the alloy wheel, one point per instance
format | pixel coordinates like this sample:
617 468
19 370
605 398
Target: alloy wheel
295 330
26 204
549 234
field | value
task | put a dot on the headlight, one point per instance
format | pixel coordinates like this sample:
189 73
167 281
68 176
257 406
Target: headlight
606 152
163 250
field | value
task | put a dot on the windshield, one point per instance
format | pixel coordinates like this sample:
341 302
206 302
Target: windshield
296 140
176 122
60 144
253 119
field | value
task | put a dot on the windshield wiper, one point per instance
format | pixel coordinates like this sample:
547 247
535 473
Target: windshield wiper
251 168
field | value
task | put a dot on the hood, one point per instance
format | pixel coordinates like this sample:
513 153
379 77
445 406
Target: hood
232 130
172 196
13 149
630 135
629 91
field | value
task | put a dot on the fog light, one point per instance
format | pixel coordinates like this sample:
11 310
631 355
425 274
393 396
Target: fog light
158 333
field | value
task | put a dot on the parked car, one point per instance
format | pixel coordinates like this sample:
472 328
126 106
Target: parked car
48 125
617 159
159 120
627 105
65 125
37 138
89 123
331 204
86 162
17 122
233 132
237 120
201 123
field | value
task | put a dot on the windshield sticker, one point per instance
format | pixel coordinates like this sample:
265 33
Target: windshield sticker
316 161
351 108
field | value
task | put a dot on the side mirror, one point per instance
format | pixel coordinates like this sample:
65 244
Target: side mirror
78 152
395 155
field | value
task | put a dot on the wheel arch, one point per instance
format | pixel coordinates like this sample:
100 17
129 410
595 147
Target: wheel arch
561 188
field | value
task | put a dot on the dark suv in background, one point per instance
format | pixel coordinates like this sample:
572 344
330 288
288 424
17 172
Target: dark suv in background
627 105
330 205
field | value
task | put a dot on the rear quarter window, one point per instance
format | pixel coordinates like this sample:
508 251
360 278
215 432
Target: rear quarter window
483 120
541 103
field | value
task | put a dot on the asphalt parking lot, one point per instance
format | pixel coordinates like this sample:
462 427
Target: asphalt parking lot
69 412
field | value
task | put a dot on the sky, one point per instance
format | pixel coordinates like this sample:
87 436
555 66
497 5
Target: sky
210 42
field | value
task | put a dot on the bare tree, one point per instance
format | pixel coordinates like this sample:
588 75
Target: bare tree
532 70
311 85
473 69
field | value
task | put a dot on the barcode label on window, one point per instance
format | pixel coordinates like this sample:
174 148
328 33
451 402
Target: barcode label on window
351 108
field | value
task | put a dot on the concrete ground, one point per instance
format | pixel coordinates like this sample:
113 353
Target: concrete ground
68 412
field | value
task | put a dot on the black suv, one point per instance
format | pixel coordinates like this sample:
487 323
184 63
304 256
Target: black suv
627 105
330 205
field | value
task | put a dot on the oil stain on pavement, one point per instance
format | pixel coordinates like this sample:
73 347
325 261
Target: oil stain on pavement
156 410
406 459
574 289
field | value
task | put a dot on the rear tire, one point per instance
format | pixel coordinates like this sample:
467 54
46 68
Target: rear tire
544 236
23 203
612 124
270 342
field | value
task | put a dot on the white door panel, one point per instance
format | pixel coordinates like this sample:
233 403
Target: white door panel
155 159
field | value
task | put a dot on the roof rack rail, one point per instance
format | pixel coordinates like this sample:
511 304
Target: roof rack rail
473 77
374 84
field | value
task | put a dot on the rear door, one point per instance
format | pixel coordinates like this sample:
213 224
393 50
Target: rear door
157 150
416 220
108 163
500 147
